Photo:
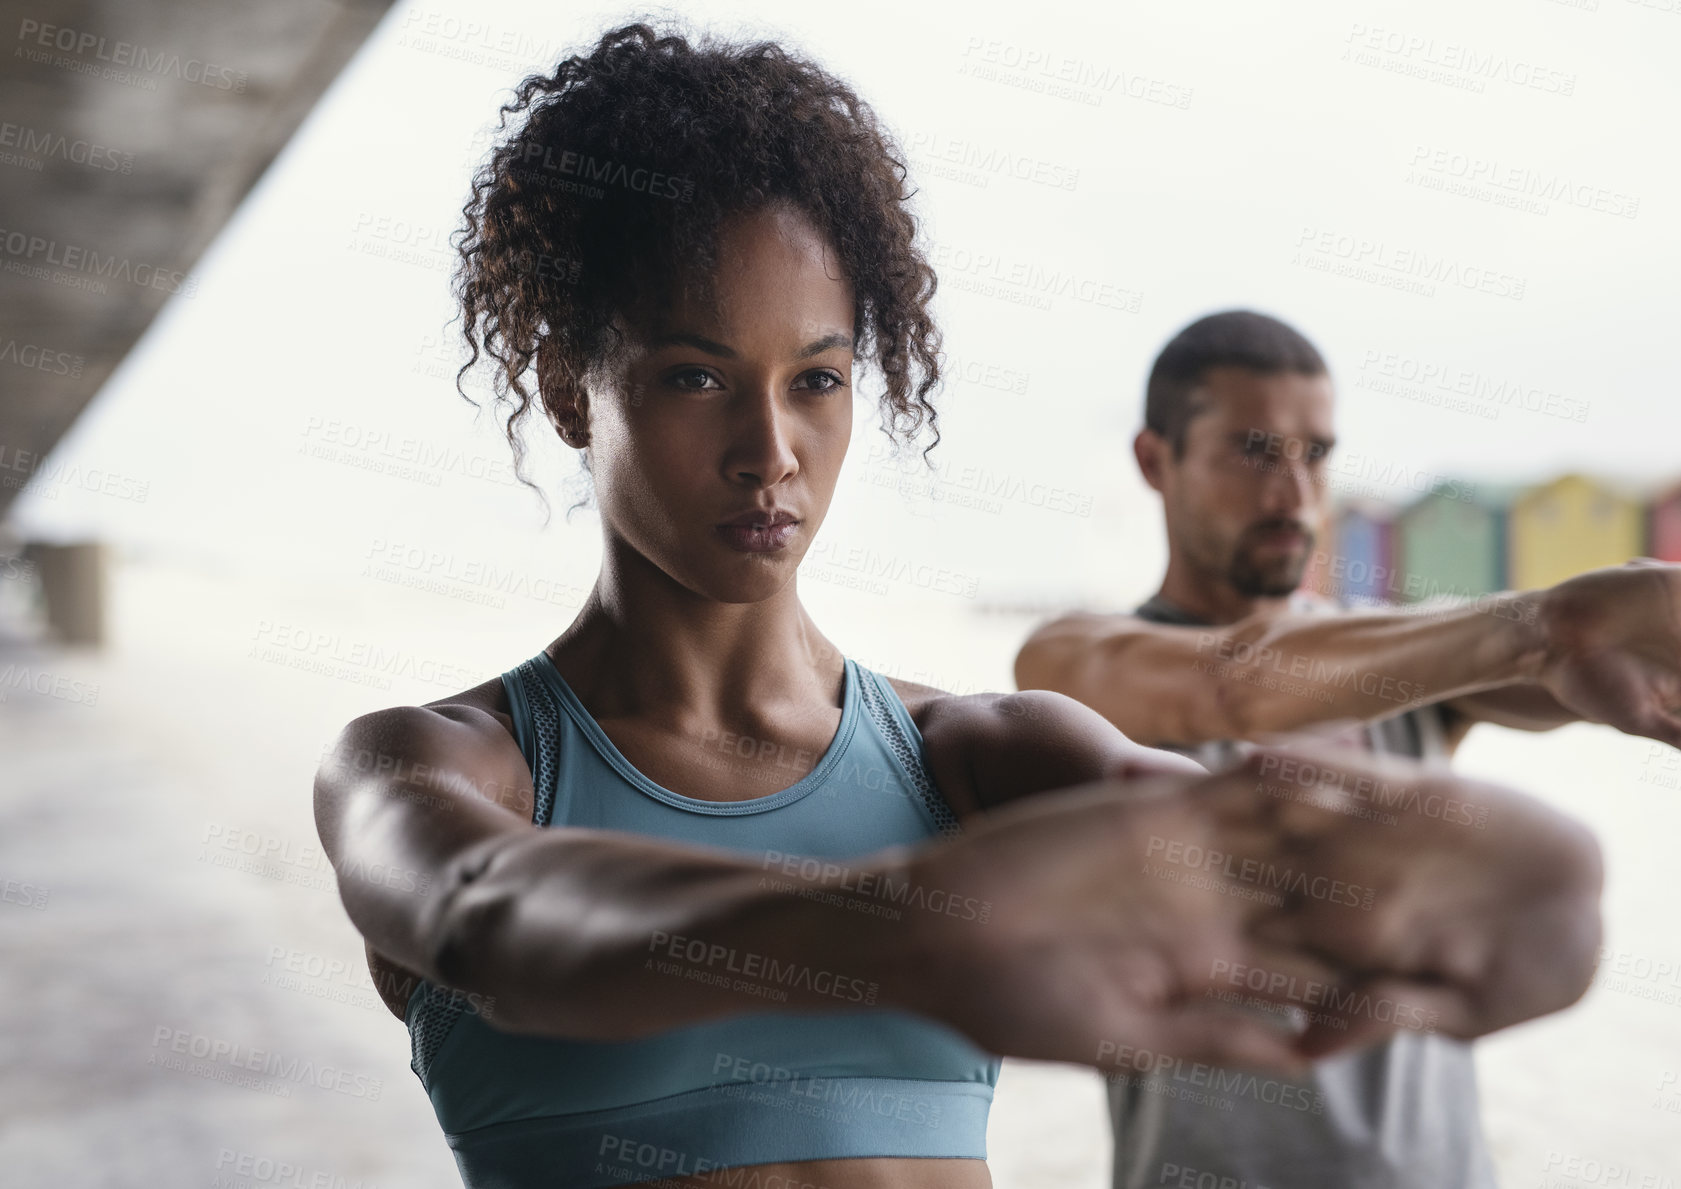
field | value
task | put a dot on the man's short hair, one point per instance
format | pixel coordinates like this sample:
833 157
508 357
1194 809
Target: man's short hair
1233 338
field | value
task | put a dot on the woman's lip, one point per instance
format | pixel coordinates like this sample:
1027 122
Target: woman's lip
760 538
760 517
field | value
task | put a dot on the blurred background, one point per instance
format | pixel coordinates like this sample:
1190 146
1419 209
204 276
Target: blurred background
240 502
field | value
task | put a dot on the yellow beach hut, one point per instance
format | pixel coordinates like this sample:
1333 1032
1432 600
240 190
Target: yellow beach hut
1572 524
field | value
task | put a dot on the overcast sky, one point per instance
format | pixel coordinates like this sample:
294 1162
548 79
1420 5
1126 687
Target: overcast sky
1484 196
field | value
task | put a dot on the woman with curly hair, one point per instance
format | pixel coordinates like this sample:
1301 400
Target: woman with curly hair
692 898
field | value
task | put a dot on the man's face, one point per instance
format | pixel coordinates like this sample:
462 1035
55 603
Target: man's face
1247 500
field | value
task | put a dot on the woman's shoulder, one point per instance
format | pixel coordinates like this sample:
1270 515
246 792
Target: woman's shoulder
931 706
488 698
917 698
466 734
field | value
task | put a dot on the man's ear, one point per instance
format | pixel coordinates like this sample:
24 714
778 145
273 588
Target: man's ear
1153 453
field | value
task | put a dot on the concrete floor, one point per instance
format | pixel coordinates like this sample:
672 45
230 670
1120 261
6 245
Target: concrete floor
170 1019
172 1002
179 1013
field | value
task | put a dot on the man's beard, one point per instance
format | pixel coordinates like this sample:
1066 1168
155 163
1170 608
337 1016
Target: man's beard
1271 580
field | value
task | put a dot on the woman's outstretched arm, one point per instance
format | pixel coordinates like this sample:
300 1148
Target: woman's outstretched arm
1098 936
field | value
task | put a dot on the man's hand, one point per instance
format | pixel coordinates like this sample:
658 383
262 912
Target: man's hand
1613 647
1156 919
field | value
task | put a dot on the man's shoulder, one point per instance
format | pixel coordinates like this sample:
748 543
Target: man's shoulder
1311 602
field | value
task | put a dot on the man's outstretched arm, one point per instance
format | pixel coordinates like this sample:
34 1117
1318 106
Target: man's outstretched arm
1522 706
1604 647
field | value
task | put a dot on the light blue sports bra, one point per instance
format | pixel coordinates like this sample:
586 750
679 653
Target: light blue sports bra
521 1112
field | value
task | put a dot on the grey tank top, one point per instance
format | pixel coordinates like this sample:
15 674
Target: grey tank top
1399 1115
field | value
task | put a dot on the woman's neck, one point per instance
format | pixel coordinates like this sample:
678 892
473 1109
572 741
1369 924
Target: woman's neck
645 646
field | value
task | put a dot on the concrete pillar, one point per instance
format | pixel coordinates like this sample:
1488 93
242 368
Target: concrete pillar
72 581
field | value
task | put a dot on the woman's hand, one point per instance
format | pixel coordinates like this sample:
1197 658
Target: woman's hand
1155 917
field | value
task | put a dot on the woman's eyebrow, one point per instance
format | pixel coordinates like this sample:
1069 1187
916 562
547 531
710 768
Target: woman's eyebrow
679 338
827 342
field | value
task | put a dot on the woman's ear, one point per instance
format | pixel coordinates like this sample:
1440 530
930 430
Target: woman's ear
564 397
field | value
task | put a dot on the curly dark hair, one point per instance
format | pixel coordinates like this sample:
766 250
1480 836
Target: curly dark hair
611 190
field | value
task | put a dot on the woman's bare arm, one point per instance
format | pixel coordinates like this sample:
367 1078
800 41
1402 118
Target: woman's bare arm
1088 934
587 933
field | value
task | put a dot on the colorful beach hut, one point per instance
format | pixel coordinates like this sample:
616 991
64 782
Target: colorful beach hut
1451 542
1570 525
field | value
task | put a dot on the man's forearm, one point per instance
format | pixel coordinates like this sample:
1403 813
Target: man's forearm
1188 685
607 936
1306 670
1523 706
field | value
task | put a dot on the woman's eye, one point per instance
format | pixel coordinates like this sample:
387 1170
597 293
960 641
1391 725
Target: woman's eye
823 381
694 380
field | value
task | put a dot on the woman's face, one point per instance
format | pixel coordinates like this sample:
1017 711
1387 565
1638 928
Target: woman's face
716 449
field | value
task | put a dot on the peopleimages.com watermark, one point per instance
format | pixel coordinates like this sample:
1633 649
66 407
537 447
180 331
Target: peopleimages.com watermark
1568 1170
838 1099
1266 882
306 864
237 1169
976 163
1668 1099
631 1159
1402 267
1185 1176
1643 976
477 43
1025 282
975 487
1459 389
750 973
1302 778
31 148
15 676
81 267
852 887
863 568
1200 1084
142 66
251 1068
468 579
49 479
352 982
1662 766
1487 178
361 662
1319 675
1449 63
22 894
1351 472
1368 584
35 357
401 456
1062 76
1311 1000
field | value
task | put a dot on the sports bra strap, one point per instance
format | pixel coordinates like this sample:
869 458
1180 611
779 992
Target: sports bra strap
536 712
